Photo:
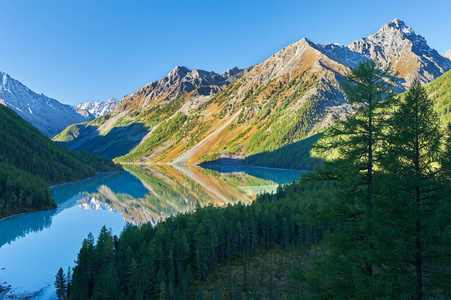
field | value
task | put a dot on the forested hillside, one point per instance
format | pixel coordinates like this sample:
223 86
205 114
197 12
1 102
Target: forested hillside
296 155
30 162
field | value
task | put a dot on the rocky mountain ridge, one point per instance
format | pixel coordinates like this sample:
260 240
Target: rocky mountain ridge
194 116
182 80
395 44
46 114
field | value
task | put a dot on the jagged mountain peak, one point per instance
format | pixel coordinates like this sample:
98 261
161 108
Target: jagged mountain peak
179 69
398 24
179 72
406 51
8 83
296 58
112 99
397 29
231 72
179 81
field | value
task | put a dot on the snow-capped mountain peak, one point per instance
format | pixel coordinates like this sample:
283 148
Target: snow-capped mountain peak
98 108
46 114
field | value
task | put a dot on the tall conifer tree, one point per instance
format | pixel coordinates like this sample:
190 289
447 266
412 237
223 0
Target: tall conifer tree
351 266
61 284
412 193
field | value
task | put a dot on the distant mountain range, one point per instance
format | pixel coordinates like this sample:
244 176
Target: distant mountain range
46 114
98 109
191 116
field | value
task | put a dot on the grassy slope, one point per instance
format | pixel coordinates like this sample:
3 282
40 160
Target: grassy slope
440 91
70 133
273 114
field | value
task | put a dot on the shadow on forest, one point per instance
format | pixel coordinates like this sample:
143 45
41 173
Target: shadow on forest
292 156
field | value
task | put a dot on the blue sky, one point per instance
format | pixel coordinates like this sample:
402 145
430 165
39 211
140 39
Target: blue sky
76 50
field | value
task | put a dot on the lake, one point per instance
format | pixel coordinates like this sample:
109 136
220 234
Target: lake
34 246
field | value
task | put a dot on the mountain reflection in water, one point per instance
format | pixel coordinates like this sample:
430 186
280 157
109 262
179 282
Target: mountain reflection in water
34 246
172 189
152 193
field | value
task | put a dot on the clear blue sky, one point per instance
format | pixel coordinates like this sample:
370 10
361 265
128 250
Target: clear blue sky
76 50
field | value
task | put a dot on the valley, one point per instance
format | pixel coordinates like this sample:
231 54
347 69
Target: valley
322 171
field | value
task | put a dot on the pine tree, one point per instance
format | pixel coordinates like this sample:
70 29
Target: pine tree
69 279
60 284
107 285
350 268
412 192
440 254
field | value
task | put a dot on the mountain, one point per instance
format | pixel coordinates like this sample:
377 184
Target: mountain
30 162
98 109
196 116
46 114
447 54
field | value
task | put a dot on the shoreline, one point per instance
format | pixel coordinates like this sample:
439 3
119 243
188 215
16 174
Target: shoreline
81 180
50 187
4 290
206 164
251 166
16 215
149 164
